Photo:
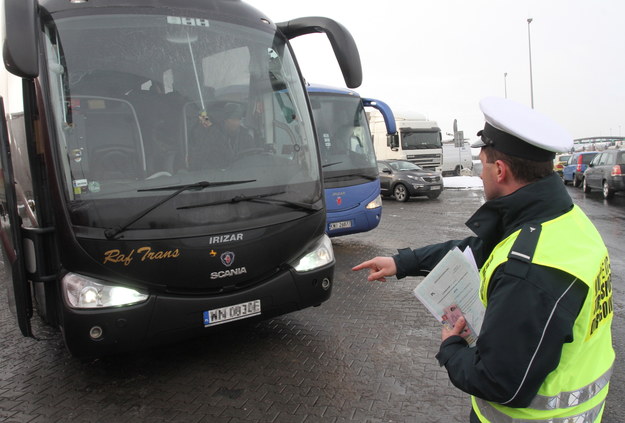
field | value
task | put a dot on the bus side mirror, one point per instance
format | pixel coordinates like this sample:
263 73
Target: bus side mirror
20 38
392 141
342 42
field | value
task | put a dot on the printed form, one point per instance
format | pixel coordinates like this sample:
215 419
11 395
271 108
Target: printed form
451 290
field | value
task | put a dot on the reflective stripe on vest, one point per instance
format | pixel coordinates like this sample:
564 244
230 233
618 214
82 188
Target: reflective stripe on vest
494 415
563 400
572 398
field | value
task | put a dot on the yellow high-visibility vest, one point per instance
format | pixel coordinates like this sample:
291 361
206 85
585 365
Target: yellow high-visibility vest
576 390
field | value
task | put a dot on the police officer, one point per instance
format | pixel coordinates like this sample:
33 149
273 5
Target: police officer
544 352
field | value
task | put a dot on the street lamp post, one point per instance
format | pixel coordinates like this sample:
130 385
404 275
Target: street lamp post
505 85
529 42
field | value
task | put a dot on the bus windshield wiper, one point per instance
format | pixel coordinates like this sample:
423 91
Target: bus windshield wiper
113 232
197 185
351 175
259 198
331 164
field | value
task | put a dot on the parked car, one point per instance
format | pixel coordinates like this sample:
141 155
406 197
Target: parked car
403 179
574 170
559 162
606 171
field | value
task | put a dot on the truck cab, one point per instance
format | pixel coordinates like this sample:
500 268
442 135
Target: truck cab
418 139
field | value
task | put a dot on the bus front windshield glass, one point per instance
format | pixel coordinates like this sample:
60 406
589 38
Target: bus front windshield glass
345 146
420 140
145 106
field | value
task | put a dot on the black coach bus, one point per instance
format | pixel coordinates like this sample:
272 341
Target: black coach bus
160 169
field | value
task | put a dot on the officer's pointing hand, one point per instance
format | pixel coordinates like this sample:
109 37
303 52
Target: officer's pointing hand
379 267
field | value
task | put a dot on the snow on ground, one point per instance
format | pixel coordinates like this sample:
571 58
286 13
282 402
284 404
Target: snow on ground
462 182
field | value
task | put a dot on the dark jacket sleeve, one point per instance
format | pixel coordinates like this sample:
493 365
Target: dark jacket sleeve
526 324
420 261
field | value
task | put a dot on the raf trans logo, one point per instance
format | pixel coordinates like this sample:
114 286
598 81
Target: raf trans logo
227 258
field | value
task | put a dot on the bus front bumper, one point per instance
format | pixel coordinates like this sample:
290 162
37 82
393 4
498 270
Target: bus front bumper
167 318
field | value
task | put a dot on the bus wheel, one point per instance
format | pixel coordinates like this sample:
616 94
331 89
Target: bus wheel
401 193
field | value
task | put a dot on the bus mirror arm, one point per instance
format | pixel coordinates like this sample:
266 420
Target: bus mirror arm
20 45
393 141
342 42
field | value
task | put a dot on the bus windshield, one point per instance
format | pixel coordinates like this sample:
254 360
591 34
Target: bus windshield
345 144
144 105
420 140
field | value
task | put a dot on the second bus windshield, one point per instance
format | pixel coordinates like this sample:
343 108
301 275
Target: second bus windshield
345 145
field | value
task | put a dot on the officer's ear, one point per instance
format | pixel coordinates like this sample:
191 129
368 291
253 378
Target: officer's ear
503 171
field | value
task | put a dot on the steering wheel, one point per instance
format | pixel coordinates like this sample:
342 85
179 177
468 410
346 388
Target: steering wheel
115 160
159 174
114 152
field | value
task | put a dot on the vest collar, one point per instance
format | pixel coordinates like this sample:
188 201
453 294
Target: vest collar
538 201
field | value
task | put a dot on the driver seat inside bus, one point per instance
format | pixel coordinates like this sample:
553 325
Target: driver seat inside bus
107 131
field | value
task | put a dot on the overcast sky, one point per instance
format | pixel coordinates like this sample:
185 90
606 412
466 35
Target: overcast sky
440 57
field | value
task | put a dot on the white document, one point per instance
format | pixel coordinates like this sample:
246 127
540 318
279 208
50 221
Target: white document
451 290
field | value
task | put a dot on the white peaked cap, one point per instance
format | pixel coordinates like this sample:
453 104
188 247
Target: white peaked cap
518 130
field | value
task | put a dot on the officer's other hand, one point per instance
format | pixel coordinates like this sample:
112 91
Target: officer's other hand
456 330
379 267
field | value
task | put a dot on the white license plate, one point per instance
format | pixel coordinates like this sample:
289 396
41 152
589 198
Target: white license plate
435 187
231 313
340 225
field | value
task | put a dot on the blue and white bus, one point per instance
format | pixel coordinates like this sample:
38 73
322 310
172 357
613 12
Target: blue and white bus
350 172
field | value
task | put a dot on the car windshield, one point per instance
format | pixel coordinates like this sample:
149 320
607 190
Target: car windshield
146 102
404 165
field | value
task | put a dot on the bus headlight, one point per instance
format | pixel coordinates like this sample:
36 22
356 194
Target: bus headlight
85 292
320 255
375 203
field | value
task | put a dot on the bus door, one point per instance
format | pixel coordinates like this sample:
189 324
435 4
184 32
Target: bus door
20 301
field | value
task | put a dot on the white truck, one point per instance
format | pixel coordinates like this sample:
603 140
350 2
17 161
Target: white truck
456 158
417 140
